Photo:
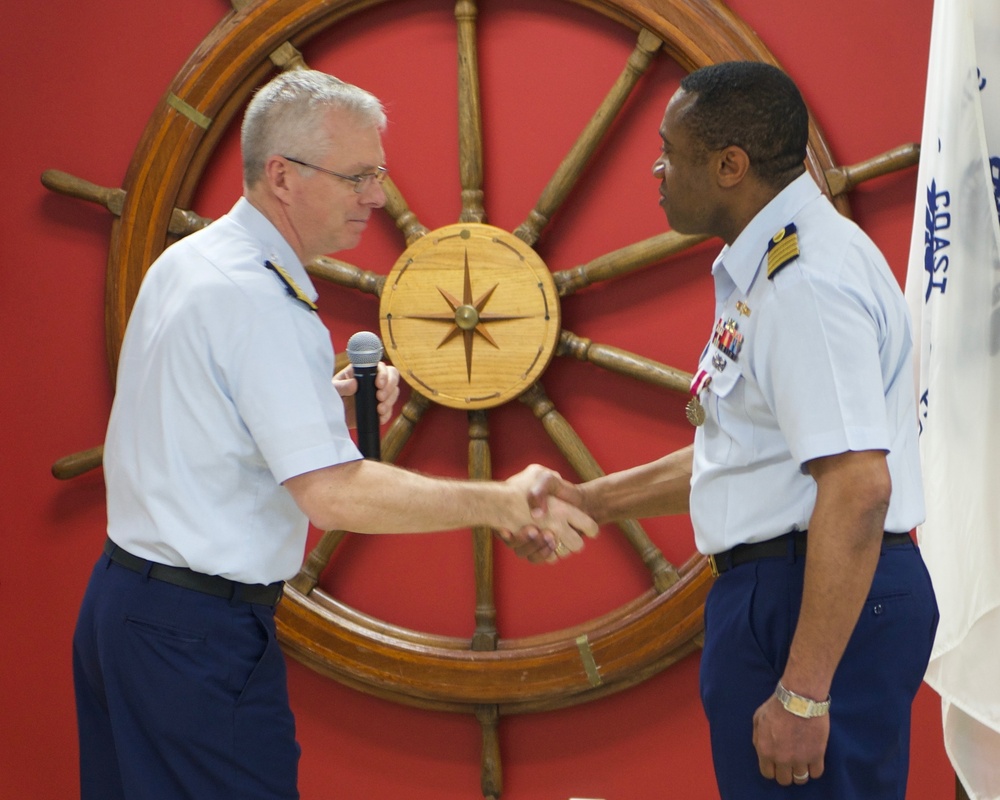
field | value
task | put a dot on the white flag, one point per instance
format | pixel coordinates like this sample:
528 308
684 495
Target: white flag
953 289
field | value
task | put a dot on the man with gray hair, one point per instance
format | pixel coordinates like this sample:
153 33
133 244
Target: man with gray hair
226 439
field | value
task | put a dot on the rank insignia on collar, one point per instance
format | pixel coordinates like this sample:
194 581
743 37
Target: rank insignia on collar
782 249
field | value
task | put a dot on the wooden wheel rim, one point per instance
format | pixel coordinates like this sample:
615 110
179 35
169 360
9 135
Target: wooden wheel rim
531 674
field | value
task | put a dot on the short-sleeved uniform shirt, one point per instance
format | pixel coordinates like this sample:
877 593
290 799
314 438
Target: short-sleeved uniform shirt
223 392
813 360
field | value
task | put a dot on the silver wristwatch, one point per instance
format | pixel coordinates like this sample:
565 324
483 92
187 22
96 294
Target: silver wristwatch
800 706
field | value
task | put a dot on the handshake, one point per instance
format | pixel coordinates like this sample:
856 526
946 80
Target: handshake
537 513
557 520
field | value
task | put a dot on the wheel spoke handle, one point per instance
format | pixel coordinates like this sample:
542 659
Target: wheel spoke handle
470 120
485 636
623 362
344 274
491 773
624 260
843 179
401 214
570 169
308 576
664 574
76 464
403 426
182 222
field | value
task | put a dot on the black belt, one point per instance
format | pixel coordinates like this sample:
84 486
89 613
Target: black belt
215 585
785 545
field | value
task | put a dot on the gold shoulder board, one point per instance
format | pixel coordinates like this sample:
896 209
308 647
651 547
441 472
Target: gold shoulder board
782 249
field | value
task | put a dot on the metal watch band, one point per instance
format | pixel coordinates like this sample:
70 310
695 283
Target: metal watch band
801 706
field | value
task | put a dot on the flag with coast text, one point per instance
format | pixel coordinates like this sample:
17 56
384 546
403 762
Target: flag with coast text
953 290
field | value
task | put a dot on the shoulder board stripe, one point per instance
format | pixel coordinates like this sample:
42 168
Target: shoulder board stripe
290 285
782 249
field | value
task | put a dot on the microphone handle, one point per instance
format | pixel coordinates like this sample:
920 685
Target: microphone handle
366 413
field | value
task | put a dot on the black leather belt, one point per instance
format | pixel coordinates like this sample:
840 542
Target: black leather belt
215 585
785 545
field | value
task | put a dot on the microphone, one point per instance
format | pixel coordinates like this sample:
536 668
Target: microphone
364 350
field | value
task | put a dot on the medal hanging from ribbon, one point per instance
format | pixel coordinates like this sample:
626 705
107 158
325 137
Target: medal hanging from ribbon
694 410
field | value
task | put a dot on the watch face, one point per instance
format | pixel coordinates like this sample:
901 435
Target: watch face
801 706
470 316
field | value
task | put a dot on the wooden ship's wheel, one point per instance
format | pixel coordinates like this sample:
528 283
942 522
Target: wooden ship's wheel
471 316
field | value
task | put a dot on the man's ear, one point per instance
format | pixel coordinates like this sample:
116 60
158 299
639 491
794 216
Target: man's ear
276 172
733 165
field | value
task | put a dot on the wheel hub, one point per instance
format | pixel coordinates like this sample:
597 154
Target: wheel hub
470 316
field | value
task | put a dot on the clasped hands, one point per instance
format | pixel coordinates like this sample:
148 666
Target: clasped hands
557 522
552 522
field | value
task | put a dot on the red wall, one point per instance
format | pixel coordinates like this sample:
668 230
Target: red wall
86 82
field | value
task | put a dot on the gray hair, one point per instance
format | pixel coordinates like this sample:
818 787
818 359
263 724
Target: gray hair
284 115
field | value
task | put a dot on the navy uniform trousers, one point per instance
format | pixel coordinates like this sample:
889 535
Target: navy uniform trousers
180 695
750 616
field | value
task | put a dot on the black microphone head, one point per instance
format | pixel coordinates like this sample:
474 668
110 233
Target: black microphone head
364 349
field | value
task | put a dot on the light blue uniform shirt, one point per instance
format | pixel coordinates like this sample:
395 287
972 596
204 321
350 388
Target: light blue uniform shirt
224 391
818 363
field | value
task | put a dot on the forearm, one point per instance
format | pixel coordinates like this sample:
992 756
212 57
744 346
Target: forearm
844 541
655 489
371 497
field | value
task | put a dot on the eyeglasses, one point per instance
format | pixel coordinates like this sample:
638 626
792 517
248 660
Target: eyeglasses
360 181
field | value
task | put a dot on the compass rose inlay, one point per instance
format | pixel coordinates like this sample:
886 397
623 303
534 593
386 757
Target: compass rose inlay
505 313
468 317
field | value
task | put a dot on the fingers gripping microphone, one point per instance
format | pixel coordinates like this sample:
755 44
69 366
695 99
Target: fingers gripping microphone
364 349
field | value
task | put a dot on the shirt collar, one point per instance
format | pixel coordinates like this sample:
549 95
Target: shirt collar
742 260
275 248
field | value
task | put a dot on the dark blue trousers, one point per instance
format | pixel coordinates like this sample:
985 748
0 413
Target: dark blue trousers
180 695
750 616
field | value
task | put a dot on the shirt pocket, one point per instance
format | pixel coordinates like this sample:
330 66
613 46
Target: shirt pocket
728 435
